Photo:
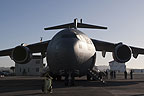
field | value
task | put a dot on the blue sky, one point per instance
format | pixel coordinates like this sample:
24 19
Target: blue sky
22 21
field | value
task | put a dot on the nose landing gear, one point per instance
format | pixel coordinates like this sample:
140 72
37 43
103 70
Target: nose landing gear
69 79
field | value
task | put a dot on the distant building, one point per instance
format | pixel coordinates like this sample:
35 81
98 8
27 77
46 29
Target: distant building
115 66
32 68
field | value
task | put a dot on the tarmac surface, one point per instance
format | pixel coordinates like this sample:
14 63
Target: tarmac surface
31 86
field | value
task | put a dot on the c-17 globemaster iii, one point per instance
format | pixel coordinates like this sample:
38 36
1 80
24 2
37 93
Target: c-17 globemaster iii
71 53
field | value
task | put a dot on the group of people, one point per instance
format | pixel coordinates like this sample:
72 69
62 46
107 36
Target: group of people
131 74
112 74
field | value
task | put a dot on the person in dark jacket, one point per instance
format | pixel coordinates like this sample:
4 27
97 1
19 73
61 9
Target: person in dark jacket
131 74
111 74
106 72
125 74
114 74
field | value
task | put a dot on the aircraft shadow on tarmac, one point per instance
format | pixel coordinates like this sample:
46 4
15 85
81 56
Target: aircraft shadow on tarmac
85 83
19 85
23 85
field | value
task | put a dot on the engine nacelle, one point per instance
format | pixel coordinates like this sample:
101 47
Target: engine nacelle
21 54
122 53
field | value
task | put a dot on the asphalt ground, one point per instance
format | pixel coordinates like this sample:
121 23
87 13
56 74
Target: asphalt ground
31 86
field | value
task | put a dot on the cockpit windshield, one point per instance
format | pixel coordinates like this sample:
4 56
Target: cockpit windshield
69 36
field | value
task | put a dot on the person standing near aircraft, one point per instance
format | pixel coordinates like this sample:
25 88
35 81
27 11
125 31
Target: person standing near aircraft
114 74
47 86
131 74
106 72
111 75
125 74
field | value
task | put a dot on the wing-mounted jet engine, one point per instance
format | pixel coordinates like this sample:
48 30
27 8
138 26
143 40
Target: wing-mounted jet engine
122 53
21 54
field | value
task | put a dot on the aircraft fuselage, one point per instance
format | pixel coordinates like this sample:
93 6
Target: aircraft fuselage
70 51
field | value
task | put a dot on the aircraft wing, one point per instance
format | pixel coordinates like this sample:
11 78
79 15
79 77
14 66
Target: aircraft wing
103 46
39 47
6 52
110 47
136 51
34 48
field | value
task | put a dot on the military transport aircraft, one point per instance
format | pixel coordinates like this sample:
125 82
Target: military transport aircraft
71 53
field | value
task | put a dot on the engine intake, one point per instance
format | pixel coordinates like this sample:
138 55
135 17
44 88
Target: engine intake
122 53
21 54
